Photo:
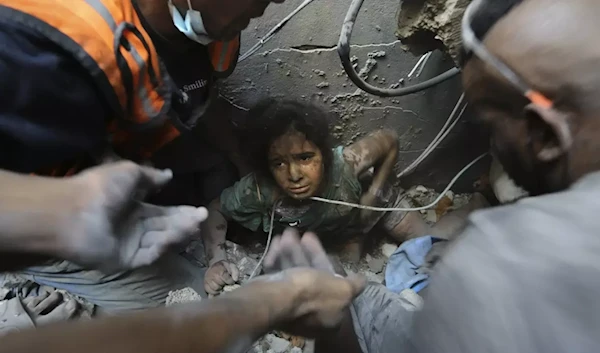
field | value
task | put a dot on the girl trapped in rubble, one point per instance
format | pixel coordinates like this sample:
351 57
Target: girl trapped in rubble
289 146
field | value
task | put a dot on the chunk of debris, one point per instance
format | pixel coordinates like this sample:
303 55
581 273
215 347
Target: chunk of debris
279 61
378 28
185 295
431 216
278 345
319 72
376 54
354 59
367 68
388 249
323 84
231 288
426 25
377 264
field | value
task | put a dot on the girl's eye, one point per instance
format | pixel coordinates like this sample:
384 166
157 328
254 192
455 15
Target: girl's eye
277 164
306 156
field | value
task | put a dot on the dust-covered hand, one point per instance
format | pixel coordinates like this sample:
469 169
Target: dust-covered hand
218 275
109 228
322 296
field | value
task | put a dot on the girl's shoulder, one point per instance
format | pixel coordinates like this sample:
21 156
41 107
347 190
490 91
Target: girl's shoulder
252 190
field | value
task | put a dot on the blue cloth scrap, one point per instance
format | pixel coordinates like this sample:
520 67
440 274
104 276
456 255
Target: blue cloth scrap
402 271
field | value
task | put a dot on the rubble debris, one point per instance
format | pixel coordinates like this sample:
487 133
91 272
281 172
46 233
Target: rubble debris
185 295
245 261
319 72
376 264
388 249
296 341
378 28
367 68
431 216
276 344
426 25
323 84
231 288
443 206
377 54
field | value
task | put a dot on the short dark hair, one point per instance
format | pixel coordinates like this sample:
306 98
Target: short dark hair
271 118
490 12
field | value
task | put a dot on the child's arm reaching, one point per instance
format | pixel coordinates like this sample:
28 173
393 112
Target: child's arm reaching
214 231
379 150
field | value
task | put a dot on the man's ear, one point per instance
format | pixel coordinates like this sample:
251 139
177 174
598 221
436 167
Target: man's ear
549 130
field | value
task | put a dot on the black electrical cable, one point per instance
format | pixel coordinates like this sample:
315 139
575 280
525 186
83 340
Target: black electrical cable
344 52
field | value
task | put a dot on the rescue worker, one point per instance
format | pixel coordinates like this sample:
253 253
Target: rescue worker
135 76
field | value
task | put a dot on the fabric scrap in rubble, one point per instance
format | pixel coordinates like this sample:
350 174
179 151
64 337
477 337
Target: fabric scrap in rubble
406 268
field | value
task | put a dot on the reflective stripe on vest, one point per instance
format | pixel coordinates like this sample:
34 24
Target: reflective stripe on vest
224 54
107 38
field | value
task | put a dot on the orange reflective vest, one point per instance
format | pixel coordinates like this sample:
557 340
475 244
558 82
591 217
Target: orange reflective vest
107 38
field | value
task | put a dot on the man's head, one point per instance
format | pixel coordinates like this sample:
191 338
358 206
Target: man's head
550 44
224 19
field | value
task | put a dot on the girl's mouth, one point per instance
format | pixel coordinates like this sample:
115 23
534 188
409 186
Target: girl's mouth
300 190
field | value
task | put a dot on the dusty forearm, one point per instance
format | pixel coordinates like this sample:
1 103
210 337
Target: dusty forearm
32 212
381 176
228 324
214 232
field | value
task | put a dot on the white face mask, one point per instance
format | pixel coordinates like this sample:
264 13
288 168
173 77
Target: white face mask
192 25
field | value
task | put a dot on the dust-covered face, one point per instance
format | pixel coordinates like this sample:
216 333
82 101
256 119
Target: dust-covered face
296 165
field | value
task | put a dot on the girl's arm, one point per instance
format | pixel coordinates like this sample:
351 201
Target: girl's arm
379 150
213 233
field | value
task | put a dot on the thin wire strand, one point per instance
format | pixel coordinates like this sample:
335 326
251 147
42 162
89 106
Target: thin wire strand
266 247
428 150
272 32
386 209
427 57
417 65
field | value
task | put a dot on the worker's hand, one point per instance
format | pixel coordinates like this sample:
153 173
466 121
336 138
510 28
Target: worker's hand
322 296
107 225
289 251
218 275
303 301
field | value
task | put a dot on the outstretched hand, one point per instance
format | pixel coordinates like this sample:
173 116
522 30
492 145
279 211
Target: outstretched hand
322 296
112 229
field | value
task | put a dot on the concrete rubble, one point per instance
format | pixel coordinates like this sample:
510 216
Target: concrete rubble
185 295
427 25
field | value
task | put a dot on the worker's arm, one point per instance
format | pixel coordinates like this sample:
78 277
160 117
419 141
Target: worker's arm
379 150
92 219
300 300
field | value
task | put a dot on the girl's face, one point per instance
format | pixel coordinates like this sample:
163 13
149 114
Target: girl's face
296 164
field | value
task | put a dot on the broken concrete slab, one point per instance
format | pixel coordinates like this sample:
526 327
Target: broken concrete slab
427 25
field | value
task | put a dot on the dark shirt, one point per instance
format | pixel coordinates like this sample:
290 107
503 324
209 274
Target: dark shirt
51 112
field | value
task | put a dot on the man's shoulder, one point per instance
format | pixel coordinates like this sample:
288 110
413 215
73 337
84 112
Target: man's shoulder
558 217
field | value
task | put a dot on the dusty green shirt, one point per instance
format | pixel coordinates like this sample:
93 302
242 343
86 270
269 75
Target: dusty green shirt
250 201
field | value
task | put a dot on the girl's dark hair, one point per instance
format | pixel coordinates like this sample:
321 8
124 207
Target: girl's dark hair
491 11
270 118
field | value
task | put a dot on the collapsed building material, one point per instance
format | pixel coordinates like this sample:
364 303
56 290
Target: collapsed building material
427 25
